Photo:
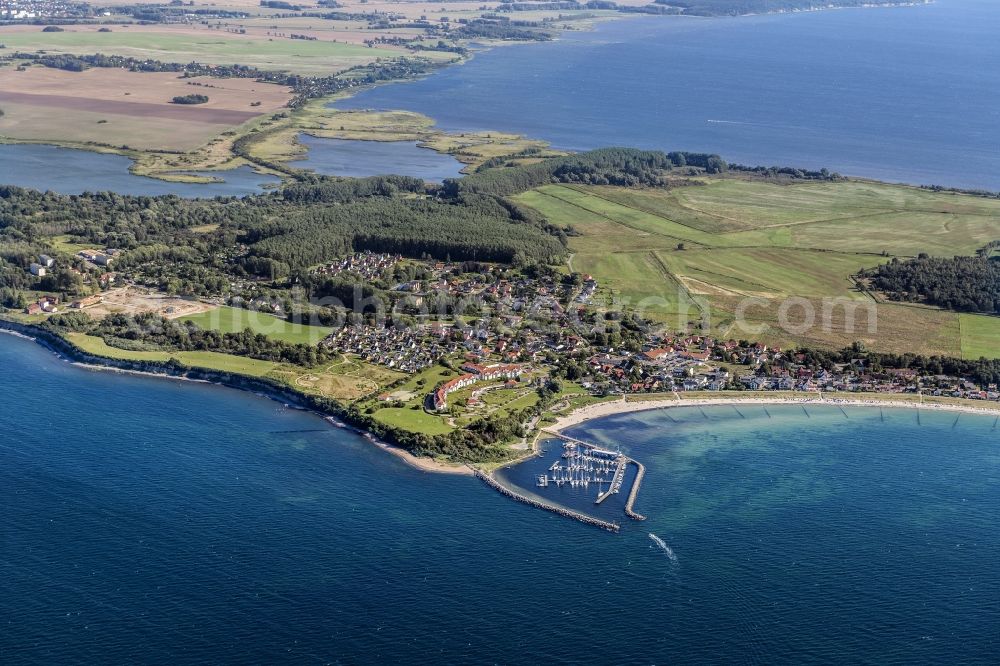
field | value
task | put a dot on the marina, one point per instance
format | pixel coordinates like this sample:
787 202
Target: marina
582 464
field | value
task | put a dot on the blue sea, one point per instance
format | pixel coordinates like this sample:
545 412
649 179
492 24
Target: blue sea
908 94
147 520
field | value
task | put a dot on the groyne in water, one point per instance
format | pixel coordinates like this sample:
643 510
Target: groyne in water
634 493
538 504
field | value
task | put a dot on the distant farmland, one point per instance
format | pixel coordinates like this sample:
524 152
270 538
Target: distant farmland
181 44
115 107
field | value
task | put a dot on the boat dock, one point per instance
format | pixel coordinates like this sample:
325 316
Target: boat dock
616 481
584 463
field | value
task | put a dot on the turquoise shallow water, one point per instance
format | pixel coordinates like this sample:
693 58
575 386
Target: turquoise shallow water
146 520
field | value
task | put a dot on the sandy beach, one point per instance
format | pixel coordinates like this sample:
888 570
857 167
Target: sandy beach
624 406
419 462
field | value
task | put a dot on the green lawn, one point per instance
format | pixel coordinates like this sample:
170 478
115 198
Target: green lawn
200 359
415 420
233 320
980 336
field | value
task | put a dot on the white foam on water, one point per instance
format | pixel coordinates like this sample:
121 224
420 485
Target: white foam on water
667 550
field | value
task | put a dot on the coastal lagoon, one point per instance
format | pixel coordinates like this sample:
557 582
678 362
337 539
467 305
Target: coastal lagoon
359 159
72 171
868 92
152 520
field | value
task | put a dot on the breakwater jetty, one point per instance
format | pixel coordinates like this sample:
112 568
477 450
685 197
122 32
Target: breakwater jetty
634 493
538 504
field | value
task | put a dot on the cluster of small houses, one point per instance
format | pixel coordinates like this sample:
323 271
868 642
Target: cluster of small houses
94 258
22 10
512 300
403 349
367 265
666 363
691 364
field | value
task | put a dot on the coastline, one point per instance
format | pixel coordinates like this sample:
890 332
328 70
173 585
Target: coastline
576 417
421 463
625 406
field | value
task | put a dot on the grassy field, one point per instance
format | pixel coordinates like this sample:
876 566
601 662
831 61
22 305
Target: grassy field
730 246
343 381
201 44
980 336
417 386
200 359
234 320
415 420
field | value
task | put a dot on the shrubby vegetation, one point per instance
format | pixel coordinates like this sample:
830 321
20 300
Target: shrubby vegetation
607 166
790 172
500 29
193 98
149 331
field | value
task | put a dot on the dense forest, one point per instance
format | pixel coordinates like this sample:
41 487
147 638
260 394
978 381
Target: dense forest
966 284
480 230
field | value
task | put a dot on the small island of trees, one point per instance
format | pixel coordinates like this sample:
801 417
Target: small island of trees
189 99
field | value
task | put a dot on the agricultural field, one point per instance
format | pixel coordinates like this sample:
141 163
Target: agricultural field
116 107
776 253
199 43
234 320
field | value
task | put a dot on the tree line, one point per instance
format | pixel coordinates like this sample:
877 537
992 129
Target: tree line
627 167
964 284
